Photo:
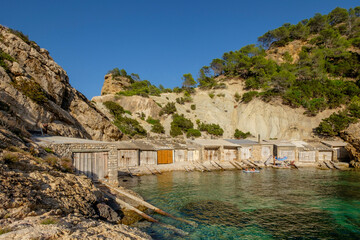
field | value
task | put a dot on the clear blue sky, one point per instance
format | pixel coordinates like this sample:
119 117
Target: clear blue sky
159 40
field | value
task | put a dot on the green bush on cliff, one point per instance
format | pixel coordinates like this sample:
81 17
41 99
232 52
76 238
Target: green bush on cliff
126 125
156 125
248 96
213 129
141 88
241 135
5 56
32 90
169 108
193 133
180 125
115 109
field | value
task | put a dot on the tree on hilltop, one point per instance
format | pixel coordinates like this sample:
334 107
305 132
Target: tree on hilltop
188 80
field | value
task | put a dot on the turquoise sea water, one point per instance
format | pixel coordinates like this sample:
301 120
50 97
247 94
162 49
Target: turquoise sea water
272 204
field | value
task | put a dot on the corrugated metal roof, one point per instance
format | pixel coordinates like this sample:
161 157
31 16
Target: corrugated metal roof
334 143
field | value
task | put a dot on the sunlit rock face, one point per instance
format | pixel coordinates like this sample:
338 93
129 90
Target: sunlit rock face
35 90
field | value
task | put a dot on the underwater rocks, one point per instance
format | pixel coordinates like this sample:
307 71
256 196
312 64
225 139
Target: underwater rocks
216 212
281 223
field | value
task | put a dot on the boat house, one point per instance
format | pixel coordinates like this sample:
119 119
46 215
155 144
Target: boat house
216 150
339 151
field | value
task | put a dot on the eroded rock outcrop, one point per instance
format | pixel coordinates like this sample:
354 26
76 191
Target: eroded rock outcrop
352 136
114 85
37 91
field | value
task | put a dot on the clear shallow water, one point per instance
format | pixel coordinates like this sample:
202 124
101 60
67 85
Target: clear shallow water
272 204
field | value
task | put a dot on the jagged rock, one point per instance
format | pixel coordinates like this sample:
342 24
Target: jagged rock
107 213
113 84
352 136
73 226
38 91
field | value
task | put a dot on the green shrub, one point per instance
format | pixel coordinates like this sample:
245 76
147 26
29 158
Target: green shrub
5 56
213 129
169 108
115 109
21 35
142 116
141 88
211 95
193 133
130 126
237 97
4 230
32 90
334 124
51 160
127 125
316 105
177 90
48 150
10 158
158 128
175 131
180 100
248 96
241 135
180 125
156 125
49 221
152 121
193 107
221 95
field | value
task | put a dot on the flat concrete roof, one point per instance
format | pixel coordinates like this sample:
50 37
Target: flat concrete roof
281 143
142 145
214 143
43 140
242 141
334 143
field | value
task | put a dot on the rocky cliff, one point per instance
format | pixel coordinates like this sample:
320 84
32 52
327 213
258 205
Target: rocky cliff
34 90
352 136
269 119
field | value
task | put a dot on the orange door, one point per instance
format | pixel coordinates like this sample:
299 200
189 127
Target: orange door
164 156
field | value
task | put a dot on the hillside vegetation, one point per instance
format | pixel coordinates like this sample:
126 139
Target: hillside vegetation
322 74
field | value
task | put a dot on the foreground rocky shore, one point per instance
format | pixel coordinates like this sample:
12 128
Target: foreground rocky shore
41 199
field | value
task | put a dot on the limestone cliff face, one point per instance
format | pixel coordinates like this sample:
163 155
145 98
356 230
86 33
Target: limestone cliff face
113 84
35 90
270 120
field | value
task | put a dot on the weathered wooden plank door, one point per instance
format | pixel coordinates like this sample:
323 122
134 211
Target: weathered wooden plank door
164 156
93 165
128 158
